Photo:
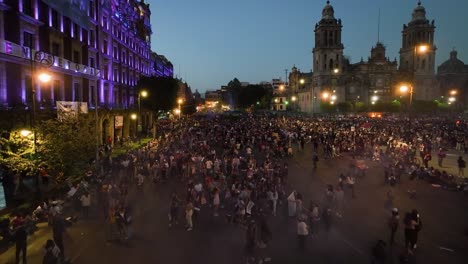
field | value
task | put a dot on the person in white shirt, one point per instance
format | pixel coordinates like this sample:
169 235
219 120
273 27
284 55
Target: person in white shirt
302 232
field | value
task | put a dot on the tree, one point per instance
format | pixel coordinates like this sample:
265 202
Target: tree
162 93
67 146
251 94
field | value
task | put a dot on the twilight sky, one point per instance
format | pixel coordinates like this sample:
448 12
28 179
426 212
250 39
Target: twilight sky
213 41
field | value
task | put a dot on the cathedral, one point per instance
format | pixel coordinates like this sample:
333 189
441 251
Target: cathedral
334 79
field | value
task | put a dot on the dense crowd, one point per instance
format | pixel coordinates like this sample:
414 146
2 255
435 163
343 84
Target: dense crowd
239 169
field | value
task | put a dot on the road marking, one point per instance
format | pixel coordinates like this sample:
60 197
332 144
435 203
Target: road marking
351 245
446 249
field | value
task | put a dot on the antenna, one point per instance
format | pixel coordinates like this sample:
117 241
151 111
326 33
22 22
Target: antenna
286 75
378 28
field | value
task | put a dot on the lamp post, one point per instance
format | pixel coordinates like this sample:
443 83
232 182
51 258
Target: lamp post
179 102
139 128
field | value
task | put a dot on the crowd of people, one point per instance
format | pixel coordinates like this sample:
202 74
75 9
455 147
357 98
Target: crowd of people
239 170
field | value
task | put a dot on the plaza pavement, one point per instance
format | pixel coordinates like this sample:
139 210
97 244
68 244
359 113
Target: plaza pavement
443 213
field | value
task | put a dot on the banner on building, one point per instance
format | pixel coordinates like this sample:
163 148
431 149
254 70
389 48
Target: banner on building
70 110
118 122
76 10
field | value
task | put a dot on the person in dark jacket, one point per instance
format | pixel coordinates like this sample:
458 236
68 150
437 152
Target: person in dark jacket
52 253
21 239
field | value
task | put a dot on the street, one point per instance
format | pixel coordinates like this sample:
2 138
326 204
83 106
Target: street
350 239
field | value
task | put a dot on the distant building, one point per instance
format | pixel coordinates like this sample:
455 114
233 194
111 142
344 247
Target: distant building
453 76
162 66
334 79
280 95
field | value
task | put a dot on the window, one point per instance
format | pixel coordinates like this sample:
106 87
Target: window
91 9
105 47
76 30
55 19
91 38
28 7
76 56
115 53
91 62
56 49
77 94
104 22
28 39
56 90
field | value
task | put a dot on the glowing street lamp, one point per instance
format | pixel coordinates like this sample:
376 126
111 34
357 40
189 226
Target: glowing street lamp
333 98
325 95
293 98
421 49
25 133
452 99
375 98
453 92
44 77
302 81
133 116
281 87
336 70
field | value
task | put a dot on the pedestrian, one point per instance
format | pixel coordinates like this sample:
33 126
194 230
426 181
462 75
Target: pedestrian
188 215
351 181
441 156
174 210
461 166
409 231
21 240
52 253
339 201
315 160
58 233
85 203
417 223
393 223
250 238
314 218
292 204
378 253
302 233
327 218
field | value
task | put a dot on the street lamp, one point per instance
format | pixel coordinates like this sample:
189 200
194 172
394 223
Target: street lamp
141 94
44 77
281 87
302 81
453 92
179 102
325 95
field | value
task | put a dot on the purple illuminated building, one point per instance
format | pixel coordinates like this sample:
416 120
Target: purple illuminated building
103 45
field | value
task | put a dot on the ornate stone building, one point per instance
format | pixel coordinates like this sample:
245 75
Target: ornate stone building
366 81
453 75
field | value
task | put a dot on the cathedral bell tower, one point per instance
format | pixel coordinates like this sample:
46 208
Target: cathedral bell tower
417 54
328 50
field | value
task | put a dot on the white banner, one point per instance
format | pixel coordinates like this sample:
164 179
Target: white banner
67 110
118 121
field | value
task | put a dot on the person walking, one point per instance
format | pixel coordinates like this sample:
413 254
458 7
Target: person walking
85 204
461 166
393 224
302 233
174 210
339 201
58 232
417 223
351 181
188 215
21 240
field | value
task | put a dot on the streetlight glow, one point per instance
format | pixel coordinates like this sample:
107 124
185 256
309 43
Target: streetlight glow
452 99
44 77
333 97
453 92
293 98
422 49
133 116
404 88
325 95
144 93
25 132
375 98
180 101
302 81
281 87
336 70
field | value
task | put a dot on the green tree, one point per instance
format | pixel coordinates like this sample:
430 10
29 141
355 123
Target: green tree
67 146
162 93
251 94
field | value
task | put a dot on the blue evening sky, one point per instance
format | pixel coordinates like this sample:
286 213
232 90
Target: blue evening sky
213 41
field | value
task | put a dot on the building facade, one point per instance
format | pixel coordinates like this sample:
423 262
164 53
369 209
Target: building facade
94 51
162 66
334 79
452 75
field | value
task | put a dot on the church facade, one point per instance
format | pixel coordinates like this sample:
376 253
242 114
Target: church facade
334 79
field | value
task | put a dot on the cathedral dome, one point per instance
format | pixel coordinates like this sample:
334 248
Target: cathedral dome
452 65
419 13
328 12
